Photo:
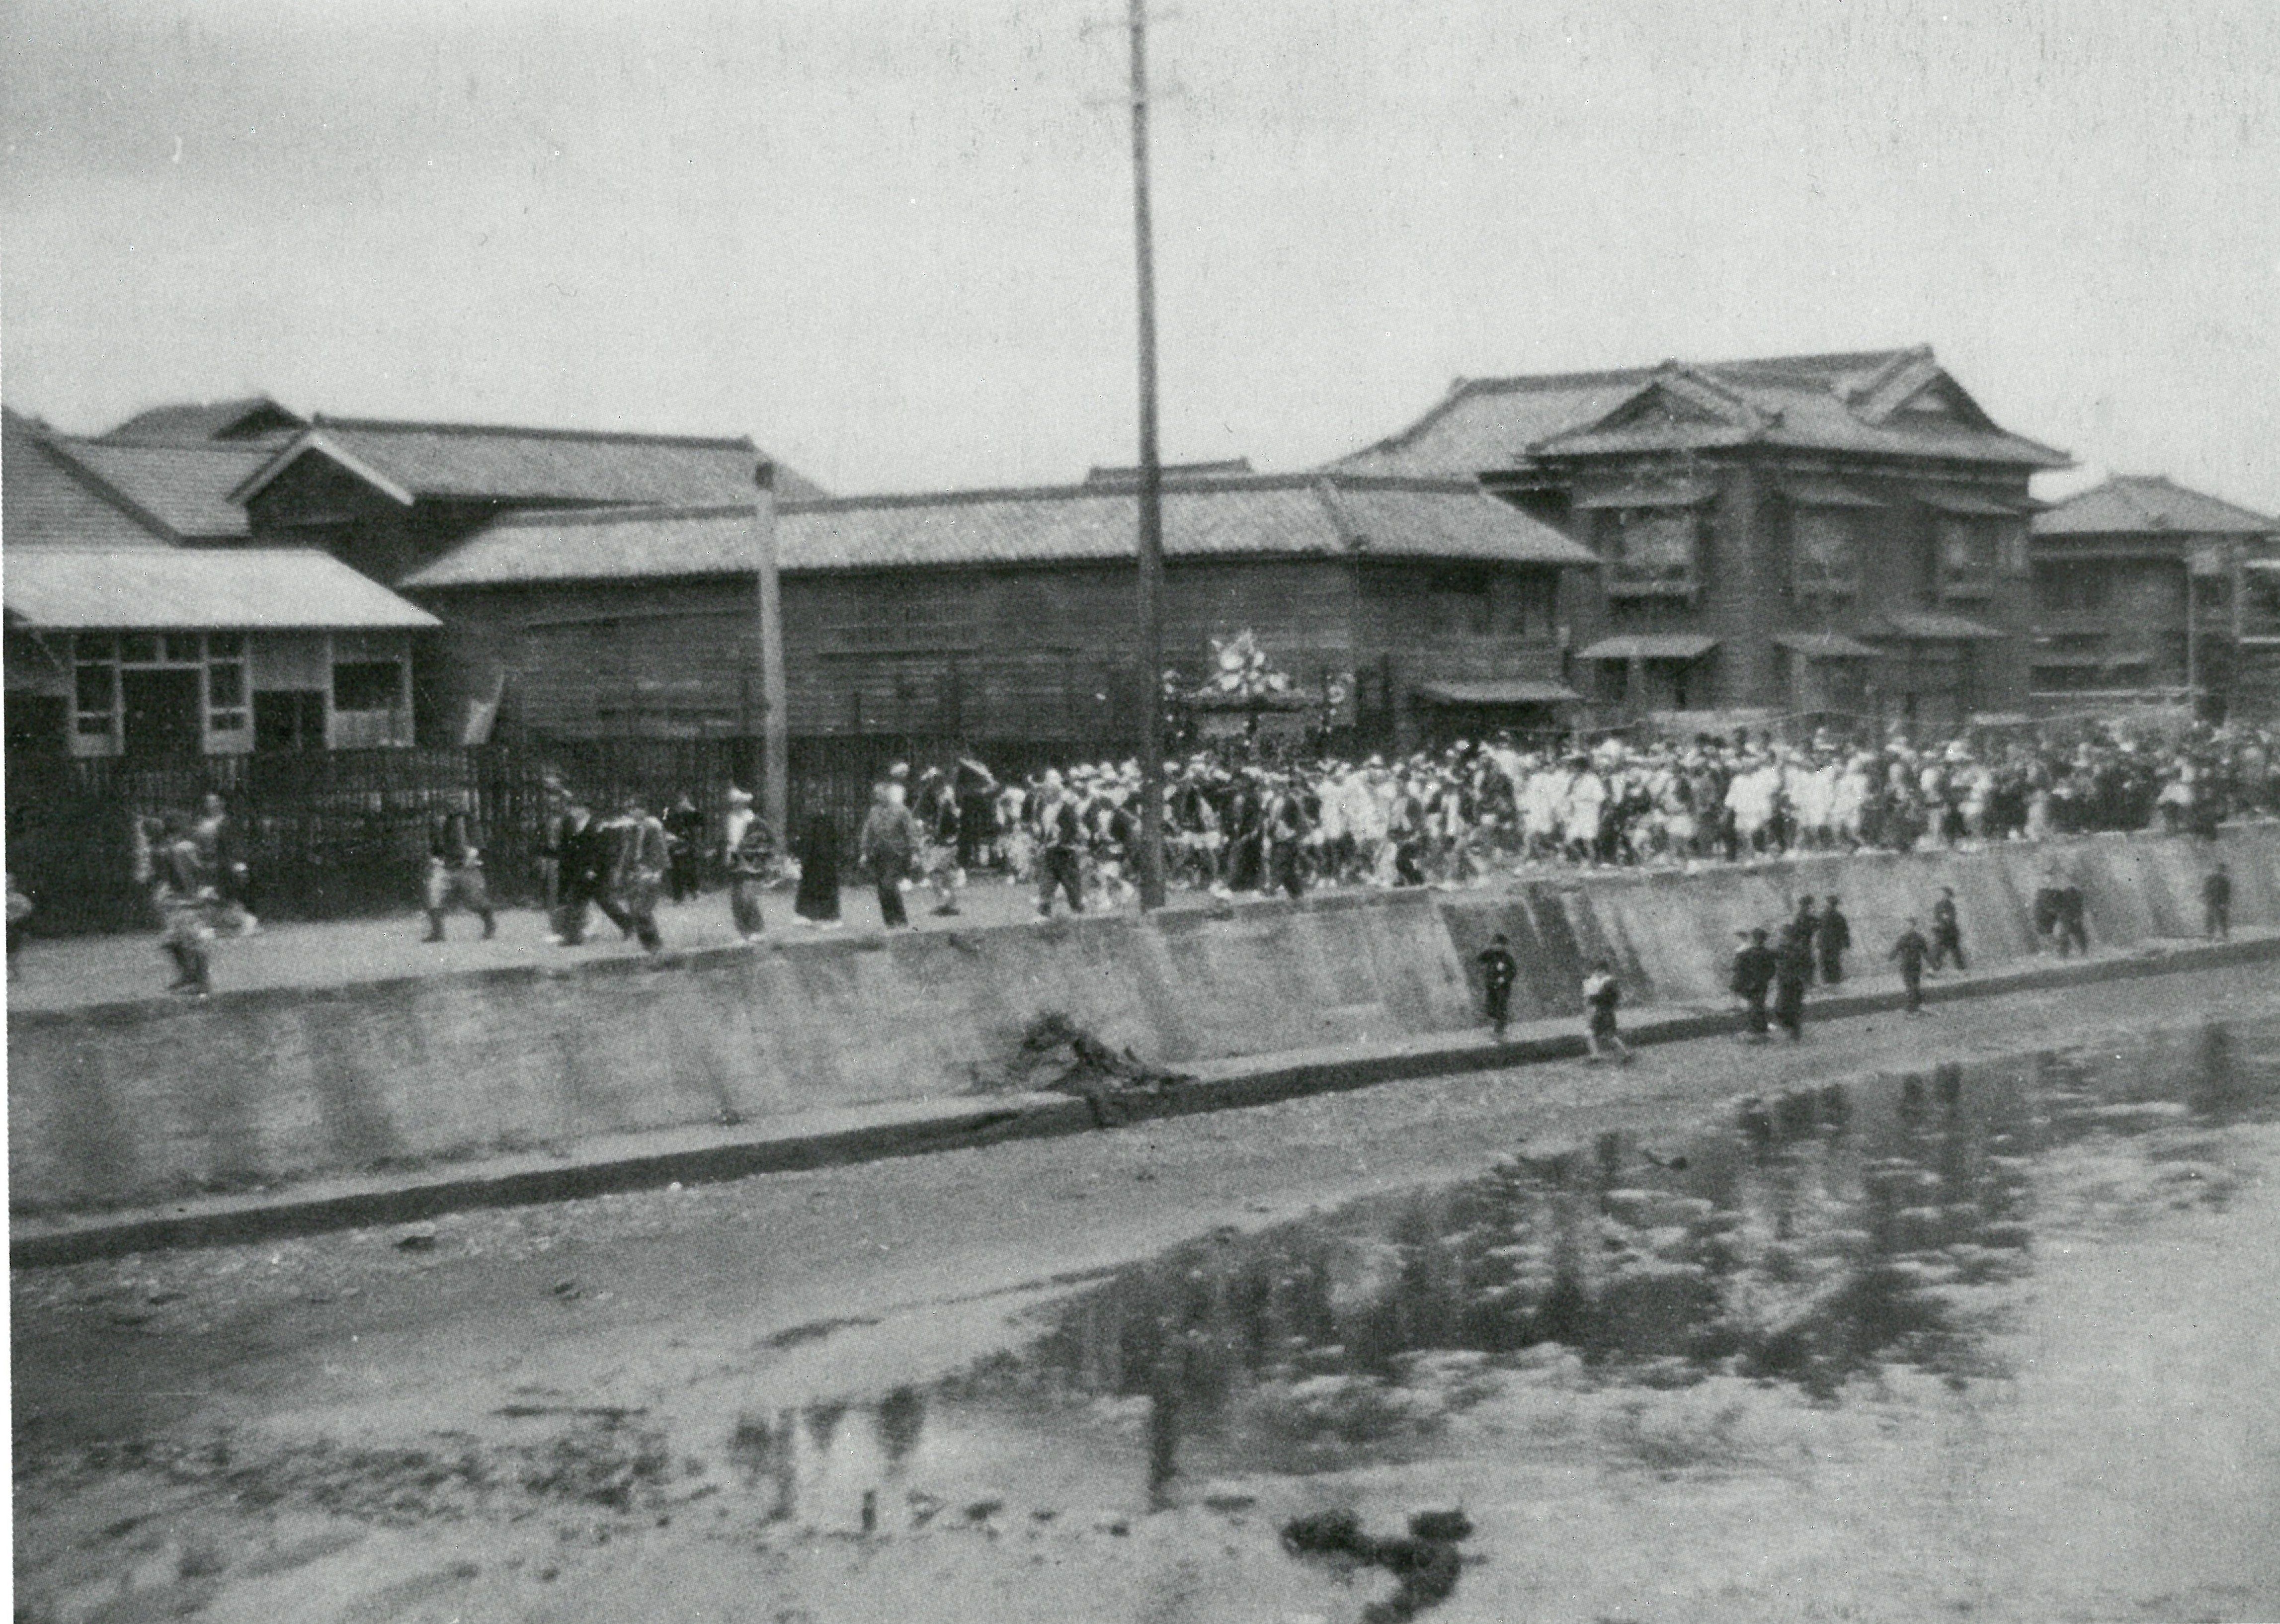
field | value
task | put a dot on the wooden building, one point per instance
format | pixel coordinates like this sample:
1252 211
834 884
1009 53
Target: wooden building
2134 596
1411 606
1841 534
125 637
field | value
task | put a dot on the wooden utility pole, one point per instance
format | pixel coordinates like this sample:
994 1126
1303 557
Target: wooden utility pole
775 766
1151 655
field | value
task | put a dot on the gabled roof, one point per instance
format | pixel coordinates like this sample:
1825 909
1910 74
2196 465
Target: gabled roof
254 420
483 463
1888 403
236 588
185 487
2130 504
48 501
1256 515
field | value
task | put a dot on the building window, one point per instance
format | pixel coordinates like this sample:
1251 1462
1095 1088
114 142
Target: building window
1462 599
227 710
1968 551
1651 552
2073 588
1826 559
368 685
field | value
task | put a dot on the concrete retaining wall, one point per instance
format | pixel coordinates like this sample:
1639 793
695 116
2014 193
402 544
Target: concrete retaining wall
139 1102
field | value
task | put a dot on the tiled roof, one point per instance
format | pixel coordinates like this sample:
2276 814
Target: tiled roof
2130 504
482 463
1853 402
1825 645
1248 516
255 419
186 487
598 544
236 588
46 501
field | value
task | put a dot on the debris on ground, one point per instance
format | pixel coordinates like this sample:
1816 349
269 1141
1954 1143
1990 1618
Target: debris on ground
1056 1055
1427 1564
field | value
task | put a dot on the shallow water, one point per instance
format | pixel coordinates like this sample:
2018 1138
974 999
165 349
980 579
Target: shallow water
1813 1237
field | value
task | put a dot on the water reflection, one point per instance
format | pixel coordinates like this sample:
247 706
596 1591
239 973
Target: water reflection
1819 1233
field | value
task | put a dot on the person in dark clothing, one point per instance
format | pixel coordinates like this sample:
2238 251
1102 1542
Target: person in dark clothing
588 854
1911 951
1286 835
1753 978
2074 931
639 855
1601 995
1498 971
684 843
222 847
1060 829
1802 932
2216 904
1946 931
1835 936
976 789
455 873
1792 973
2047 906
817 900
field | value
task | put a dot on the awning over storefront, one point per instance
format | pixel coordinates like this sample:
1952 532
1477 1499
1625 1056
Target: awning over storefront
1652 645
1825 645
1826 493
1682 493
1930 627
1967 502
1502 690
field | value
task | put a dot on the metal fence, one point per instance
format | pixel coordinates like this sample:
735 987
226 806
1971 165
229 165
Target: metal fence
344 834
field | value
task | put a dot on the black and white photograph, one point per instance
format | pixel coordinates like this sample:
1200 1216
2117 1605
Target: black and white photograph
1156 812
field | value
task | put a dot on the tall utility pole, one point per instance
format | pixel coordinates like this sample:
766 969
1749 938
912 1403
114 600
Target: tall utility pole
1151 655
774 721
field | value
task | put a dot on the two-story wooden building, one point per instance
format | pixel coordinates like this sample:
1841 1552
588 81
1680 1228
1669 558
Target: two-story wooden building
1840 534
1411 606
2134 587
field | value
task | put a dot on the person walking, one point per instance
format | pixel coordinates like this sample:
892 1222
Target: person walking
888 839
976 789
817 900
455 874
1793 974
587 851
2216 904
1802 932
1911 951
183 889
1753 978
748 852
2074 931
1498 971
1946 931
1061 836
1834 938
221 848
684 840
642 854
1601 993
2047 906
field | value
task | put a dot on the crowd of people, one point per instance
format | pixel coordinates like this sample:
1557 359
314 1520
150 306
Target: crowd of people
1464 814
1455 817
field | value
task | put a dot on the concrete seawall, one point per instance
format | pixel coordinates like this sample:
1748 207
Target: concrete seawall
146 1102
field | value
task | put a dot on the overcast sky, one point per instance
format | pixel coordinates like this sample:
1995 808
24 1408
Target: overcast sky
892 242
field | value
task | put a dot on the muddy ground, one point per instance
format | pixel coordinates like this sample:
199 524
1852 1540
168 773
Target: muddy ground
672 1405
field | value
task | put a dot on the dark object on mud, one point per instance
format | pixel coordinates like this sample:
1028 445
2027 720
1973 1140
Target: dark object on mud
1427 1565
1057 1055
419 1237
1451 1525
870 1510
1836 1105
983 1511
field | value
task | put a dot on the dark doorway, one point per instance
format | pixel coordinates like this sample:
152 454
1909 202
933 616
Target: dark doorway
289 719
162 712
35 724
